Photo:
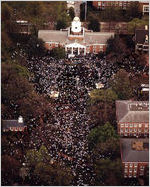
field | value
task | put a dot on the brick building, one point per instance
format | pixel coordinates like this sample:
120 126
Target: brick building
13 125
102 5
132 118
142 39
144 7
75 39
135 156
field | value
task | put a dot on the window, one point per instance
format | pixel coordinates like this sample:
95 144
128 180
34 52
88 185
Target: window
122 125
121 130
120 4
99 3
135 170
146 8
130 130
131 125
135 125
139 130
146 130
140 125
126 130
131 165
126 165
56 45
146 125
126 171
126 125
135 130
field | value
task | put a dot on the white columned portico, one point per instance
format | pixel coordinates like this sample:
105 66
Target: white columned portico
76 46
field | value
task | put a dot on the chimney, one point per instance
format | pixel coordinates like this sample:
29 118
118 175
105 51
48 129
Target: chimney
20 119
146 27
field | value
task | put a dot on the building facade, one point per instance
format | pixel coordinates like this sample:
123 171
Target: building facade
132 118
102 5
142 39
135 156
14 125
76 39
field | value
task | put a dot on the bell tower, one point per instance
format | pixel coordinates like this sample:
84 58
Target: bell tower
76 25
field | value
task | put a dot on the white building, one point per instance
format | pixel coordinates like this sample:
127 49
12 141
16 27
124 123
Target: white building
75 39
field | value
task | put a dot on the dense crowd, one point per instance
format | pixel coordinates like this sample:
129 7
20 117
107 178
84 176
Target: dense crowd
66 135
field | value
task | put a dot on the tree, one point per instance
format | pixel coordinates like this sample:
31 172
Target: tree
58 53
35 47
137 23
71 12
10 170
133 11
94 25
115 45
100 134
108 172
108 149
121 85
102 106
43 172
61 24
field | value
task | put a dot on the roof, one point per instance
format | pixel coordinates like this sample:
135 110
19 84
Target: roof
132 111
140 35
129 154
97 37
62 37
52 35
12 123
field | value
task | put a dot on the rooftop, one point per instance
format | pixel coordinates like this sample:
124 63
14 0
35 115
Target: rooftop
12 123
135 150
132 111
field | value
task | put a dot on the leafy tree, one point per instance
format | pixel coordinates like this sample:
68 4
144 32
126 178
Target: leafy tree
102 106
43 172
102 95
101 134
121 85
111 13
108 172
58 53
115 45
10 170
61 24
35 47
133 11
94 25
71 12
108 149
137 23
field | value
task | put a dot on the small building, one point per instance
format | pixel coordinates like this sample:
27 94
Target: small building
135 156
13 125
132 118
76 39
142 39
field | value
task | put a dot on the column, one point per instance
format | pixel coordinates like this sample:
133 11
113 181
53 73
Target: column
85 51
72 50
65 48
78 50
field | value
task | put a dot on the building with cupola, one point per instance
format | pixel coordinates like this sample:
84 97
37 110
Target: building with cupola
76 39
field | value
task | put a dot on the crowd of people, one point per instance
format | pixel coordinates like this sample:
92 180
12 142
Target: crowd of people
66 136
